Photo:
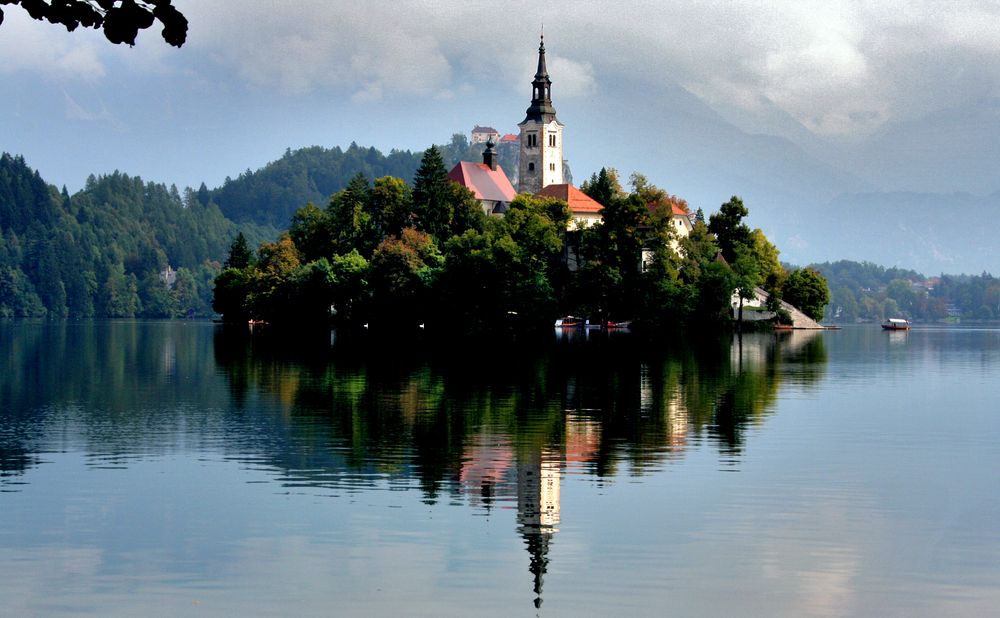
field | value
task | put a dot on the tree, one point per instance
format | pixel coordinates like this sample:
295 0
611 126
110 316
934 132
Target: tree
806 289
431 193
603 187
729 229
402 270
311 231
121 20
240 255
391 205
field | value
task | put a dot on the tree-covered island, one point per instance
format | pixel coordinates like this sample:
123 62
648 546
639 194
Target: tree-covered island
387 255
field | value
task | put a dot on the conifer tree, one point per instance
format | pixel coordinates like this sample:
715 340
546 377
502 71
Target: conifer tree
430 194
240 254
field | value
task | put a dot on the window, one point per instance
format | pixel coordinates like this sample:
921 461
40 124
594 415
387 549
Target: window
531 167
552 167
552 140
532 140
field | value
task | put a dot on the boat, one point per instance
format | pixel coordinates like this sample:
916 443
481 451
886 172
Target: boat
896 324
622 325
570 321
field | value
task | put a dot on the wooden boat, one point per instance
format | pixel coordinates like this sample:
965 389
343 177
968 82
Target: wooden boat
570 322
896 324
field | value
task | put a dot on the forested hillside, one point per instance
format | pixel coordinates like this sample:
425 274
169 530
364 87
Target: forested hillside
100 252
270 195
862 291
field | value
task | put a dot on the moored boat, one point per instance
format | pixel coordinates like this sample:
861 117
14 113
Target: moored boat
896 324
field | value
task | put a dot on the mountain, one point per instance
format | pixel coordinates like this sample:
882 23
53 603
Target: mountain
918 194
928 232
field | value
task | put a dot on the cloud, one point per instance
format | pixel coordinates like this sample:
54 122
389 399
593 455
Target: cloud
838 67
317 46
75 111
30 46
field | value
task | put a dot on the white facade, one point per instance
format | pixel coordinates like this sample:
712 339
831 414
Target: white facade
541 156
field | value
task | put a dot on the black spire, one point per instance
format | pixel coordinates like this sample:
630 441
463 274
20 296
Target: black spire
541 109
490 155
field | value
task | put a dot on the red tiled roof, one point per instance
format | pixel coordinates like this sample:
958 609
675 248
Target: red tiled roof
510 137
578 201
675 209
484 182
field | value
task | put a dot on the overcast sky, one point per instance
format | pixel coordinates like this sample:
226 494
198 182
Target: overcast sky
256 77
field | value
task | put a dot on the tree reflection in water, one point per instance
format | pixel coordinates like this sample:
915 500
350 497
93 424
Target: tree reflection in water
491 422
482 422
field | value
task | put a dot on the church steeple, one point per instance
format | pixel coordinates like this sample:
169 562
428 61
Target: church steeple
541 109
541 155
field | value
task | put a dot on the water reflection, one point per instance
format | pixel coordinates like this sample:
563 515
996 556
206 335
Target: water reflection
502 425
492 425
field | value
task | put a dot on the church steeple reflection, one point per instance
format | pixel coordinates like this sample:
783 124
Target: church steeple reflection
538 486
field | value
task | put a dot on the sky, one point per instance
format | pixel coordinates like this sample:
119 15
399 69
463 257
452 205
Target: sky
255 78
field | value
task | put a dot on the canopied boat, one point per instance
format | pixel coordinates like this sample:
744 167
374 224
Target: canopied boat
896 324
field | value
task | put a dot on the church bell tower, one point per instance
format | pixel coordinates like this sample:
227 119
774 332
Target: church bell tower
541 156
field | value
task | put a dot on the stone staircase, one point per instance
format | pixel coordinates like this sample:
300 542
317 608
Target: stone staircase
799 319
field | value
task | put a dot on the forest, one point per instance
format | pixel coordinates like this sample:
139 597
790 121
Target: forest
862 291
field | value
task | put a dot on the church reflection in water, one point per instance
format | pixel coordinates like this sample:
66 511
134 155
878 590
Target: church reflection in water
496 471
492 472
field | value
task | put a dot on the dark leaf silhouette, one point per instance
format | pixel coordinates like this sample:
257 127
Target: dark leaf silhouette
121 20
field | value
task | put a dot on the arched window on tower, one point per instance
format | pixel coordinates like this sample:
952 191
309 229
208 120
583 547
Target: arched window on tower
531 167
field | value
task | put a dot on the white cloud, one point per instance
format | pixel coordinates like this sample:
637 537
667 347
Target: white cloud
30 46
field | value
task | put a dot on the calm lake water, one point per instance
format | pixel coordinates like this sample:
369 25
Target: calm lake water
176 468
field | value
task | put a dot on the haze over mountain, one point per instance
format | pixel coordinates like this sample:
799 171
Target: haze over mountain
860 132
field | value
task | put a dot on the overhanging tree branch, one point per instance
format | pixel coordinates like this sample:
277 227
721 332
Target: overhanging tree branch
121 20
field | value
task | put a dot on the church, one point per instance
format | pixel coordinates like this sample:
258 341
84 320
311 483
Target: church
540 159
540 169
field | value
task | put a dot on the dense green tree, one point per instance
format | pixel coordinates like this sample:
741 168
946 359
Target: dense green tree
119 294
231 294
17 296
240 253
391 204
431 195
401 276
350 219
806 289
312 232
273 288
508 273
604 187
729 229
156 299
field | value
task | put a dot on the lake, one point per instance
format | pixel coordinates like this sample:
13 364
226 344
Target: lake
180 468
